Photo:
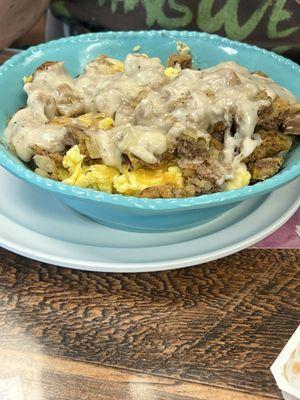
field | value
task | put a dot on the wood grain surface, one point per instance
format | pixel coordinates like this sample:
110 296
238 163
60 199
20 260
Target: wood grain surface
206 332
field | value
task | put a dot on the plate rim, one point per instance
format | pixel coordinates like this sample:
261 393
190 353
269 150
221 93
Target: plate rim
148 266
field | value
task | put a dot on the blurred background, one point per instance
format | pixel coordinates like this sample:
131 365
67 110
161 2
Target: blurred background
272 24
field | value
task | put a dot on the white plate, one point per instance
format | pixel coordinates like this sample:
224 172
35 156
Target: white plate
35 224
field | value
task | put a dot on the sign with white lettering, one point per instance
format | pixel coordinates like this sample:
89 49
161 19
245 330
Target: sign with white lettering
273 24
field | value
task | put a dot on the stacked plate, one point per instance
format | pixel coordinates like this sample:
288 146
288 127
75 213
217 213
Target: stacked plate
35 224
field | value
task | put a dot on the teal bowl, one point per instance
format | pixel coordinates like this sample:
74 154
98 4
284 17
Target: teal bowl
130 213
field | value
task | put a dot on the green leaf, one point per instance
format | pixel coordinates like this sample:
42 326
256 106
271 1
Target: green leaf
114 5
130 5
59 8
283 49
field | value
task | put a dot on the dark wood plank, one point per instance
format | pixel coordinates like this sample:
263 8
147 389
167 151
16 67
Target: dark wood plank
54 378
221 324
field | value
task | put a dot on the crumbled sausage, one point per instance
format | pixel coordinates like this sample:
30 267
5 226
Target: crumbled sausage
272 144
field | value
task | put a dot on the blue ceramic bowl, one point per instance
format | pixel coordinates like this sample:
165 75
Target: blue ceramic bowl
132 213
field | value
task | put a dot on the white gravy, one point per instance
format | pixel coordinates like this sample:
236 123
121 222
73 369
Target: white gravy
150 109
25 131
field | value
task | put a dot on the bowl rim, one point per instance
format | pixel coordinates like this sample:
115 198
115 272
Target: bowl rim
206 200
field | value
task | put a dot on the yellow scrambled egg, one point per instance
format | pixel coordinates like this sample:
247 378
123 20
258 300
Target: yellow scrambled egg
97 176
241 179
86 120
28 79
136 181
108 179
171 72
117 65
89 118
105 123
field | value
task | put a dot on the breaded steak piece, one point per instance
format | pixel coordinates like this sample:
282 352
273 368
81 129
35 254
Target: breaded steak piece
163 191
265 167
272 144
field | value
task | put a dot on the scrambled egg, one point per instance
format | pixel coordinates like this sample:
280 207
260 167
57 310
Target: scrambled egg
97 176
171 72
136 181
108 179
28 79
241 179
87 120
106 123
73 163
118 66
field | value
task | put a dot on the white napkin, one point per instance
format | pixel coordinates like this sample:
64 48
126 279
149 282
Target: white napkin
11 389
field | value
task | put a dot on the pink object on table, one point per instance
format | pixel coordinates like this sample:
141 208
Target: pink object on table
286 237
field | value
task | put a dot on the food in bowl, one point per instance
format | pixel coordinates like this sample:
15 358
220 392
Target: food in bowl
143 129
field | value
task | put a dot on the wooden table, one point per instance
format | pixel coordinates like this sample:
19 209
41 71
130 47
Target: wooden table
209 332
